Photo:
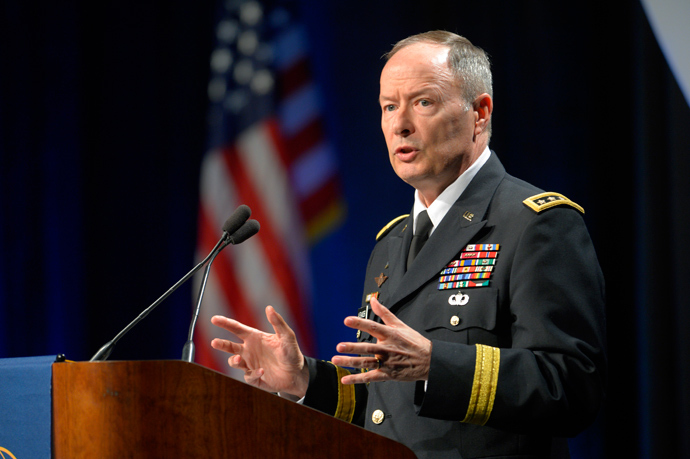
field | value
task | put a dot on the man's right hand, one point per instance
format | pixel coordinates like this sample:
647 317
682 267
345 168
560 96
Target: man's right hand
273 362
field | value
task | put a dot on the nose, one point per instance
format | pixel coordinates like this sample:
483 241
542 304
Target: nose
402 123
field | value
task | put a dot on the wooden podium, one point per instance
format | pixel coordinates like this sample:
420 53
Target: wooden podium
175 409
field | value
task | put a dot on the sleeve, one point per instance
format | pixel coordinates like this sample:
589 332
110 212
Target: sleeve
550 378
327 394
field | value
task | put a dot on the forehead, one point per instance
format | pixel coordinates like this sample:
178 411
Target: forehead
420 63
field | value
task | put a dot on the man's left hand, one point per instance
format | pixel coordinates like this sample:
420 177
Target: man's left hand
400 353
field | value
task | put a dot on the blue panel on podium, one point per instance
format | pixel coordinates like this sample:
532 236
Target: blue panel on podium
25 407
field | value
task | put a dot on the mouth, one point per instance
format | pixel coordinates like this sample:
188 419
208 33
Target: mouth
406 153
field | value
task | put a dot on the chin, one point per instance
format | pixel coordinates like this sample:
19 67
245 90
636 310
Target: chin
411 179
405 176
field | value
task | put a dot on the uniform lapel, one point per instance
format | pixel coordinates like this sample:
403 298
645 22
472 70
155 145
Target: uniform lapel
398 246
462 222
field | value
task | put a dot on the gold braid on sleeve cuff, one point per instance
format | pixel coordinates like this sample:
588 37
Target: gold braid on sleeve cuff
484 385
346 398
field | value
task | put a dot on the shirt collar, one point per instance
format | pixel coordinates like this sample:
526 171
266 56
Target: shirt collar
441 205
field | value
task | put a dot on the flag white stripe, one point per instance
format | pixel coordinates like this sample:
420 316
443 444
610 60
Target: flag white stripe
264 168
254 274
214 304
313 169
217 189
299 109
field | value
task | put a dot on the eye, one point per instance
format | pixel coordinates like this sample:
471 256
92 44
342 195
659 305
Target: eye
388 108
424 103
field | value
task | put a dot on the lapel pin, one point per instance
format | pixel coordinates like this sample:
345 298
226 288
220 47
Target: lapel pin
468 215
380 279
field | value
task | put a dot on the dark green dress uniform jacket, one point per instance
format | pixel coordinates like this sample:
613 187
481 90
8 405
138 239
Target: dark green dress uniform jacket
518 350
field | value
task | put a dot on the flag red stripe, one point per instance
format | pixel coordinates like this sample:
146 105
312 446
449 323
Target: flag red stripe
280 264
320 200
278 142
304 140
203 352
294 77
239 308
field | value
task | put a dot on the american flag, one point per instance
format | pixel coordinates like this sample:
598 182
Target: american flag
267 150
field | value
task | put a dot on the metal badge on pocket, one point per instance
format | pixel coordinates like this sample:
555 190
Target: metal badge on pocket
459 299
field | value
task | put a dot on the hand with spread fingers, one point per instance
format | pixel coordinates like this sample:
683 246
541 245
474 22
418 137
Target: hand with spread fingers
400 352
273 362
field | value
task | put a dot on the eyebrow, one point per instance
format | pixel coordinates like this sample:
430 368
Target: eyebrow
414 94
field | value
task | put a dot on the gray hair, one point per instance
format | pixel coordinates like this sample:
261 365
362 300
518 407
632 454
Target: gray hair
468 63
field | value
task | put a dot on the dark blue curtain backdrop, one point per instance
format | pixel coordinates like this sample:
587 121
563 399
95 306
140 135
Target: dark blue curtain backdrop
102 130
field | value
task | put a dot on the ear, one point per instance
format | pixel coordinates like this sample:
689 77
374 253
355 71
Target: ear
483 106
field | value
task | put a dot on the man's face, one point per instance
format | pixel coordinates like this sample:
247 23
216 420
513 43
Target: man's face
428 127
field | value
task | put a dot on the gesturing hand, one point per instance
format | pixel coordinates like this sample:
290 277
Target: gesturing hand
273 362
400 352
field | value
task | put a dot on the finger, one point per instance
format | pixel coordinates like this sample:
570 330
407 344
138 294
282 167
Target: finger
238 363
254 376
279 325
226 346
362 348
366 377
384 313
236 328
375 329
370 362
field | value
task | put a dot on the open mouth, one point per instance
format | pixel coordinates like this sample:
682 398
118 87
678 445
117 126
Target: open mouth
406 153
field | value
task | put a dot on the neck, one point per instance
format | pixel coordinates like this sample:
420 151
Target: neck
432 189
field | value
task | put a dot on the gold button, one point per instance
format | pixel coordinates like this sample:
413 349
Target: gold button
359 333
454 320
377 416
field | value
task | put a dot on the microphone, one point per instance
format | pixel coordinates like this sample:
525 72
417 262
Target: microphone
232 225
249 229
236 220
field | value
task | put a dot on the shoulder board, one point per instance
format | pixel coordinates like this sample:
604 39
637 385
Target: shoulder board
390 226
548 200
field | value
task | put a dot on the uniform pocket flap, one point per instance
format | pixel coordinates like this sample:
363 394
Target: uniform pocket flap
460 310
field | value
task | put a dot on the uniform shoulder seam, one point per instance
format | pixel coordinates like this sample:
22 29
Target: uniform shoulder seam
386 229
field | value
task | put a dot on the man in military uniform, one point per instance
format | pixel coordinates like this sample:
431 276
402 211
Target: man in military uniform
492 341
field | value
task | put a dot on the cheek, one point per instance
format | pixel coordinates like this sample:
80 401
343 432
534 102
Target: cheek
385 129
389 146
455 133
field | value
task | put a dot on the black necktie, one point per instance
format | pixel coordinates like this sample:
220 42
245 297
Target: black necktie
424 226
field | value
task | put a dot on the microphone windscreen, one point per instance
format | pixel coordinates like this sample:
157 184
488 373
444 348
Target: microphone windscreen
237 219
247 230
